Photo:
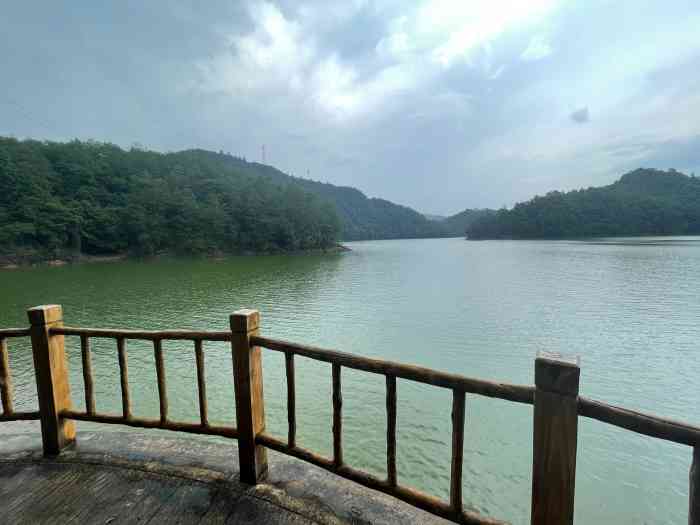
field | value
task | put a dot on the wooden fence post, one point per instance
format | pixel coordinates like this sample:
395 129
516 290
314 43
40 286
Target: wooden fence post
554 440
250 404
51 371
694 488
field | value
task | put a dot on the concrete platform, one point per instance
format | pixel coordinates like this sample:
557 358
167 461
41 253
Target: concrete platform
125 477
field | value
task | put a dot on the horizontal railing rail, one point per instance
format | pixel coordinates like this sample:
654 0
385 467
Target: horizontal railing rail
517 393
177 426
156 337
392 371
6 333
555 397
640 422
148 335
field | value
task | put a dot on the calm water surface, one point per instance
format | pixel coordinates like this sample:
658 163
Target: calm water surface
629 307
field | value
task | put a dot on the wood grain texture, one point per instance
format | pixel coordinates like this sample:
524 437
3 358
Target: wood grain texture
391 430
555 398
124 377
694 489
5 379
21 416
458 402
188 335
291 400
87 374
517 393
137 422
639 422
51 371
337 417
14 332
201 383
555 428
160 377
414 497
250 403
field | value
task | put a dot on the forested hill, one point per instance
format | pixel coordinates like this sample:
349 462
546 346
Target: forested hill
641 202
458 223
95 198
58 199
360 217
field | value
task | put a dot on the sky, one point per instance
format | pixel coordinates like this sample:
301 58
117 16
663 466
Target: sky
439 105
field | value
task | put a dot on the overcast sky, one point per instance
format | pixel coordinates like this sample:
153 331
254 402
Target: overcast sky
439 105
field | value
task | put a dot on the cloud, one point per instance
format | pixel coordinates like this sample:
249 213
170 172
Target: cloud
580 116
280 56
437 104
451 31
538 48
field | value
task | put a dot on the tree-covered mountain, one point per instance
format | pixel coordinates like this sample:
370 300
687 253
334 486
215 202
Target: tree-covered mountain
96 198
361 217
458 223
58 199
641 202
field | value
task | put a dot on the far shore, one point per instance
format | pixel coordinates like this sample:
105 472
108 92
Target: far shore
35 260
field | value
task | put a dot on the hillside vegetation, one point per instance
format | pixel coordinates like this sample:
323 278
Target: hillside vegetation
361 217
457 224
641 202
65 199
95 198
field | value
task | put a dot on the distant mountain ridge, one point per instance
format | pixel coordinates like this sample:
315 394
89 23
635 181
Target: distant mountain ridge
65 200
361 217
68 199
458 223
641 202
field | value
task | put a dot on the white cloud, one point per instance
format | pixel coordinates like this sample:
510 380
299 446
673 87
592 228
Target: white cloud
279 56
458 27
434 74
538 48
273 55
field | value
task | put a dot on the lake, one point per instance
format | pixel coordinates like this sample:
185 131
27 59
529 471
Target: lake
630 308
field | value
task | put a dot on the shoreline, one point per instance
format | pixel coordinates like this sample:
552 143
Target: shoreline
34 260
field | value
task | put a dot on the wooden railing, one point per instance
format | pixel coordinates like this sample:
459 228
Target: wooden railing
6 390
157 338
557 407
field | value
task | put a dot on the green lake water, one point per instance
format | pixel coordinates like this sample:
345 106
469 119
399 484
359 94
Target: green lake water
630 308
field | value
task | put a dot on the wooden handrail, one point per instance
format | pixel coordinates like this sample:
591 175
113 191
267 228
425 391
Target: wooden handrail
178 426
13 332
414 497
6 386
5 379
20 416
187 335
639 422
509 392
555 397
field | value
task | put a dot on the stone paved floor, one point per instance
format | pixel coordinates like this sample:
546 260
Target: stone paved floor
125 477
